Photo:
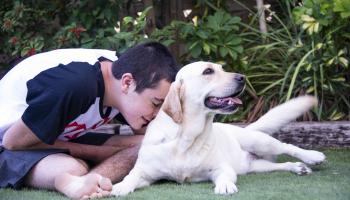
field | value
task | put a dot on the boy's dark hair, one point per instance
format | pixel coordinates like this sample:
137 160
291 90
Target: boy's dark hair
148 63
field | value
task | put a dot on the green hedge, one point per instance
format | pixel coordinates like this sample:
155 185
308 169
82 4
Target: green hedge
29 27
306 49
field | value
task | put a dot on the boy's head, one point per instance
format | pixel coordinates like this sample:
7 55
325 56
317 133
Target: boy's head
148 63
145 73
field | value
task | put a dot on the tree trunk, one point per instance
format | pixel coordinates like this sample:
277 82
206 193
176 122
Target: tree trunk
316 134
151 19
261 12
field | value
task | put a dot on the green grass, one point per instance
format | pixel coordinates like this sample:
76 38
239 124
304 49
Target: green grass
329 181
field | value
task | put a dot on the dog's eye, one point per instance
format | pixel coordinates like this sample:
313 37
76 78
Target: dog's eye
208 71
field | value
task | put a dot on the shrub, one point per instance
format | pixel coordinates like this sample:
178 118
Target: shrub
306 49
30 27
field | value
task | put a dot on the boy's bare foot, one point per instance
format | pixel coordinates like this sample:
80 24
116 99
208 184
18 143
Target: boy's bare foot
84 187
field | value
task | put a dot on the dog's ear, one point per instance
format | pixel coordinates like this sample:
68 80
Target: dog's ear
172 105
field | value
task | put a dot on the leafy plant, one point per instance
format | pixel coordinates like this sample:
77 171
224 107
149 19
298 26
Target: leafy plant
130 32
326 60
214 37
29 27
308 53
306 49
17 41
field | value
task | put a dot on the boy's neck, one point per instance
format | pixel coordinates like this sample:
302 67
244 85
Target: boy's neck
109 82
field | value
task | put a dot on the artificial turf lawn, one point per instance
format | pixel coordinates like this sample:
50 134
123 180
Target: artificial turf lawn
328 181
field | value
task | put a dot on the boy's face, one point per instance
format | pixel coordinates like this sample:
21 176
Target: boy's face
141 108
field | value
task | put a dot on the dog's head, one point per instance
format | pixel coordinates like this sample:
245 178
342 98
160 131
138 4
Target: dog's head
204 87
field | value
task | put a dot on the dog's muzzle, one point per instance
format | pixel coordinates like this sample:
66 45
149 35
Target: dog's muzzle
228 103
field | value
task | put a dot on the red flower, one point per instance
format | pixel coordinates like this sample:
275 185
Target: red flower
31 52
13 40
77 30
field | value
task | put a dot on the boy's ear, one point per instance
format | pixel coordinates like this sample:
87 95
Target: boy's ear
127 81
173 103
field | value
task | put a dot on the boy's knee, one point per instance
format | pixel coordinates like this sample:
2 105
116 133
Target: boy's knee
81 167
44 173
60 163
74 166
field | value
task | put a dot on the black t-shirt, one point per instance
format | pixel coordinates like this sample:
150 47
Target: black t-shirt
62 99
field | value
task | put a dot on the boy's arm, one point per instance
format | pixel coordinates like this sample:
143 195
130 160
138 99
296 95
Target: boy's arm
20 137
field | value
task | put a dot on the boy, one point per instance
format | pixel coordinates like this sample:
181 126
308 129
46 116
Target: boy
50 101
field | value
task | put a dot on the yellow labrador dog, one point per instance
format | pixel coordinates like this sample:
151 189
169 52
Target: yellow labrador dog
183 144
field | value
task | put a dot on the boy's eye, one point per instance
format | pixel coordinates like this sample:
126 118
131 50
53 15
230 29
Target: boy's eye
157 104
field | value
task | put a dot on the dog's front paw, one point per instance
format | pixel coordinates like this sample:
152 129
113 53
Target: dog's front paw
225 188
121 190
314 157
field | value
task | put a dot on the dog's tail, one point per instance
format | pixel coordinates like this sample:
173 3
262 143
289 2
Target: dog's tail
281 115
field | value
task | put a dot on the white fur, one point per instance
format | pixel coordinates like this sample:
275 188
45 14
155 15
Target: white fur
196 149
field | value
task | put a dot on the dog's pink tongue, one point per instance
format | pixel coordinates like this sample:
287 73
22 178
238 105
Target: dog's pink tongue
226 100
236 100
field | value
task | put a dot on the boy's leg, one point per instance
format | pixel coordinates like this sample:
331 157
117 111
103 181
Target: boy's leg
71 176
119 165
67 175
43 174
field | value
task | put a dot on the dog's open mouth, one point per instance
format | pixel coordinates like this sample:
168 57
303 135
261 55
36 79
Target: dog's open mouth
227 104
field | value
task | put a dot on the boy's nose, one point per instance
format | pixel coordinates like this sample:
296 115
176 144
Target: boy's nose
155 112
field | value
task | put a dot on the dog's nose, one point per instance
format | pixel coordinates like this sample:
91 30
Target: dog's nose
239 78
